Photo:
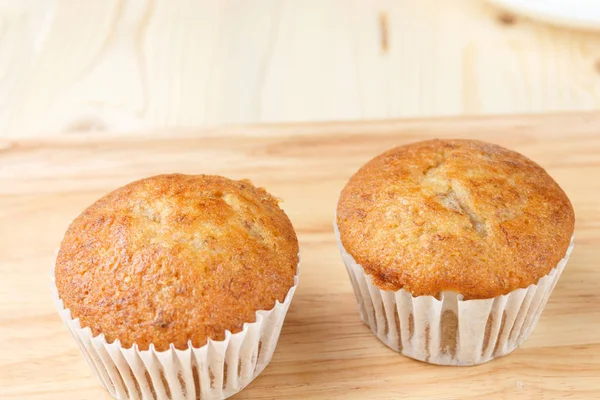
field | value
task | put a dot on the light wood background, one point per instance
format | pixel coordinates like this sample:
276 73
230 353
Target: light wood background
70 65
325 352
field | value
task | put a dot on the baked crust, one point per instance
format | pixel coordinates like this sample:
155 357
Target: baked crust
176 258
454 215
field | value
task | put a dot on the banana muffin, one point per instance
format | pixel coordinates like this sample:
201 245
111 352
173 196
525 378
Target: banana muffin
460 224
173 262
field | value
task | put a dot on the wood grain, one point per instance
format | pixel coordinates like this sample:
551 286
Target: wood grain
325 352
67 65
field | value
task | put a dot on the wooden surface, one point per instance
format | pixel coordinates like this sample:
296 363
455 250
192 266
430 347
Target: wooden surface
325 352
70 65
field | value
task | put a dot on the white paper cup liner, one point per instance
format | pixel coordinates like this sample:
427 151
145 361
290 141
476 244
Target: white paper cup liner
216 370
450 330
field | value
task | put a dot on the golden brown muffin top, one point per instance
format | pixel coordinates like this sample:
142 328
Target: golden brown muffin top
454 215
174 258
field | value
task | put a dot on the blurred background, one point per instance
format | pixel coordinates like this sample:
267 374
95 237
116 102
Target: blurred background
71 66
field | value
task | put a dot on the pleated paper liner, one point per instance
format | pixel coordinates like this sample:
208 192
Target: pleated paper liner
216 370
449 330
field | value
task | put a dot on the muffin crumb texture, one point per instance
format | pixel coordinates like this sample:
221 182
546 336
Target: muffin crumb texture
454 215
176 258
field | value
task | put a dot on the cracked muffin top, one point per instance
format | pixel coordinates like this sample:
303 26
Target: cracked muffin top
176 258
454 215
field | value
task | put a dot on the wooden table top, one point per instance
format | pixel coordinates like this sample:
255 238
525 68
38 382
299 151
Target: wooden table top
325 351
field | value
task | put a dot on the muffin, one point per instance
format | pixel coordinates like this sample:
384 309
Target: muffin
176 286
453 248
